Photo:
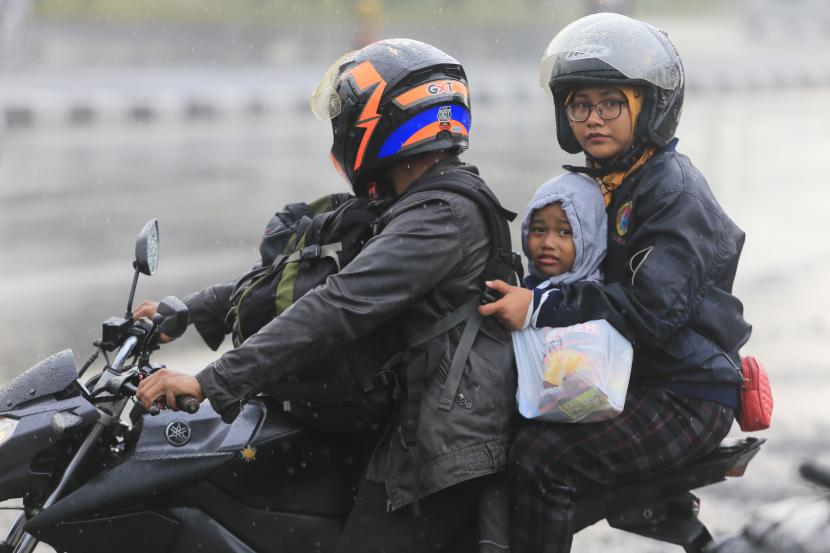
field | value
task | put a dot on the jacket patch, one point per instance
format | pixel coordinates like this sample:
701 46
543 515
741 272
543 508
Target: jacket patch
623 217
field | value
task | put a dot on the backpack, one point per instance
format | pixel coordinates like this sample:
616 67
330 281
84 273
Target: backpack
302 245
306 243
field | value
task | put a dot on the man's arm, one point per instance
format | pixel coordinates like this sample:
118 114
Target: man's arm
208 310
416 251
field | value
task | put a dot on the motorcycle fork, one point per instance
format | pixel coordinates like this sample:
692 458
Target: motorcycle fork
14 535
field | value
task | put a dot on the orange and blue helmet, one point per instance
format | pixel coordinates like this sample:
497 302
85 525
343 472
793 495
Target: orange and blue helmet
390 100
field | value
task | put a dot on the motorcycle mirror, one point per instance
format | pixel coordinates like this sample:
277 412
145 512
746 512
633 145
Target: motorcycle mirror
146 257
175 316
147 248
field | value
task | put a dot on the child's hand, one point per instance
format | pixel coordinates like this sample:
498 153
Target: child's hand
511 308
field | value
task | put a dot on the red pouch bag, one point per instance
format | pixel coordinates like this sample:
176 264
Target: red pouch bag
755 411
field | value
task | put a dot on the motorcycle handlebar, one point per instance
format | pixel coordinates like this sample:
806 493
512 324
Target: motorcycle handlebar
186 403
124 352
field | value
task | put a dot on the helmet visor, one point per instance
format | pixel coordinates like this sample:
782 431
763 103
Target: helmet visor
634 48
325 101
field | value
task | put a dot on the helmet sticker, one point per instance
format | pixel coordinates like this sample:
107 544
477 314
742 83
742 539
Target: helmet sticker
430 90
426 126
365 76
444 114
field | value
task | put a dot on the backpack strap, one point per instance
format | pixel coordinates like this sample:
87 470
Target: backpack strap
459 361
502 264
469 313
316 251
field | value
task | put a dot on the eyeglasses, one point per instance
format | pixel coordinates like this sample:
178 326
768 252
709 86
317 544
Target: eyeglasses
607 109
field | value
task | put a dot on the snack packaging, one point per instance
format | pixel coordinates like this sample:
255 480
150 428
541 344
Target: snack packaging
578 373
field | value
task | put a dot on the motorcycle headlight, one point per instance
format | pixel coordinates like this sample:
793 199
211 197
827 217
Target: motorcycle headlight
7 426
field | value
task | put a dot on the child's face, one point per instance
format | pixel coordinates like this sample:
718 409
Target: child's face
550 241
602 138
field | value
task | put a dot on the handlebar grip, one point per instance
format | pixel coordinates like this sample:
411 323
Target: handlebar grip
188 404
815 473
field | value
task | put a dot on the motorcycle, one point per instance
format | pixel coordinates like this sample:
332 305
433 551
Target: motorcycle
95 468
792 525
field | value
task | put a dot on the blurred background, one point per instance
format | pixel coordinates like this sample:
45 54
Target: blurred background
196 112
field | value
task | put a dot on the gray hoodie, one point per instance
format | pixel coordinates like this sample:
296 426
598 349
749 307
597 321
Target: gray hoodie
584 205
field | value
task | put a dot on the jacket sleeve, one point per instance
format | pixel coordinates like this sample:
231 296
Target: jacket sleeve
416 250
679 247
208 309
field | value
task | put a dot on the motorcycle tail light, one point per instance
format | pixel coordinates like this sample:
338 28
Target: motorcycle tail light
7 427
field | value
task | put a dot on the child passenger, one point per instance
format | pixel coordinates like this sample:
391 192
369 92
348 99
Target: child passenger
672 253
563 237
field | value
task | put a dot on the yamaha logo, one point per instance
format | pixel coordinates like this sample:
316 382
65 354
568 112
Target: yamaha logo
177 433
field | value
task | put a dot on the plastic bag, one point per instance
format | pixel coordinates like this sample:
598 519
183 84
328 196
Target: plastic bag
576 373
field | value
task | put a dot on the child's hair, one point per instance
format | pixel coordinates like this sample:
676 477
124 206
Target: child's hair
583 204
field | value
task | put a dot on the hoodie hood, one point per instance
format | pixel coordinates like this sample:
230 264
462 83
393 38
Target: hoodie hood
582 201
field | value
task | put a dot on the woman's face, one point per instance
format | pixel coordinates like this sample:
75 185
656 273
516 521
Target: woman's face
602 138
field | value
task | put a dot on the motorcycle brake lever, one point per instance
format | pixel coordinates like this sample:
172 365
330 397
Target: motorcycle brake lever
151 368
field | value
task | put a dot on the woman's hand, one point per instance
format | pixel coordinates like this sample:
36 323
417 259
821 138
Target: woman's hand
511 308
165 385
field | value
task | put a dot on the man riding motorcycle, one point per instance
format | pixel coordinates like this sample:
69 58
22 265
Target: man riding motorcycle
400 117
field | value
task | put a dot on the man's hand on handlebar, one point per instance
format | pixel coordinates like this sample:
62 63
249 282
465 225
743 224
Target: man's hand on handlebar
164 385
148 309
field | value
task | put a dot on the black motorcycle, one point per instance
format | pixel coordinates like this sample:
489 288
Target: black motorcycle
97 472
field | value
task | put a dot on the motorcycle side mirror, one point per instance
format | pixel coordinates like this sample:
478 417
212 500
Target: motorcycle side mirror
146 257
147 248
174 316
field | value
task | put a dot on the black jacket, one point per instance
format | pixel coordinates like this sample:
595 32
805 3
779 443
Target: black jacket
426 262
671 261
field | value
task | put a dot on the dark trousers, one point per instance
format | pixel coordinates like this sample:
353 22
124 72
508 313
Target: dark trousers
552 465
448 521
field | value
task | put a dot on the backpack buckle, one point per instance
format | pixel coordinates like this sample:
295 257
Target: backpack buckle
383 379
311 252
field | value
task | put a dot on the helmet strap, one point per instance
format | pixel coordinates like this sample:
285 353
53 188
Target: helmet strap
598 168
